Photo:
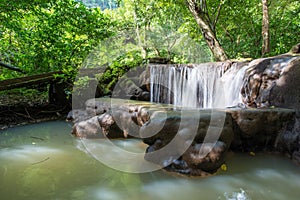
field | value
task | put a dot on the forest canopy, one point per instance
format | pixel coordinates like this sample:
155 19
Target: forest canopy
48 35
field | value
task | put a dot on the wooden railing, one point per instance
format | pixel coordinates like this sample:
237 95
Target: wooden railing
28 80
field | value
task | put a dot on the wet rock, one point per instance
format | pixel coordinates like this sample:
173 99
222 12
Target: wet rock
272 82
97 127
258 129
126 89
125 123
188 125
286 91
179 137
200 159
93 107
105 121
77 115
134 85
130 118
88 128
115 120
206 156
242 130
144 80
288 141
141 96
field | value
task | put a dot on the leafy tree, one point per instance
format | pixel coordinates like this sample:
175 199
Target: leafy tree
162 29
207 20
49 35
240 26
284 25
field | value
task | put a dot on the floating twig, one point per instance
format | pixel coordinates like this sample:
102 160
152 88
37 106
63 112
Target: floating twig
41 161
38 138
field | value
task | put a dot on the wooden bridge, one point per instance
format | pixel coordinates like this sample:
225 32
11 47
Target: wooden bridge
56 87
28 81
56 94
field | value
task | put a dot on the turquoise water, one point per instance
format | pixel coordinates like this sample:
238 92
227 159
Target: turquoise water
44 161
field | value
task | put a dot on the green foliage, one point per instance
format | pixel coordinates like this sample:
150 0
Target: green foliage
49 35
23 96
109 73
239 27
284 25
161 29
118 68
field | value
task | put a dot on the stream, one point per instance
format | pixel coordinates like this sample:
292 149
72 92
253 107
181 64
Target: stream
44 161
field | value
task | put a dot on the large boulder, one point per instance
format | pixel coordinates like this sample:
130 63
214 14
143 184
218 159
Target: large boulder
134 85
272 82
260 129
286 91
112 119
240 130
179 135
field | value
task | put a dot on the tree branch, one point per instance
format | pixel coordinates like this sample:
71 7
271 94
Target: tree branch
218 14
10 67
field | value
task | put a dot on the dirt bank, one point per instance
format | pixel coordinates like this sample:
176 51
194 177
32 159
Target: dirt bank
18 108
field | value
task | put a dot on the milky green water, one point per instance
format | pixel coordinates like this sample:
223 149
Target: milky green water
43 161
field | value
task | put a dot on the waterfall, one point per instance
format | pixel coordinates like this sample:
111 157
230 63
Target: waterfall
210 85
196 86
229 87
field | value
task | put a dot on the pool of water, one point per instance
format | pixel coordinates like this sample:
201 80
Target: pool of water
44 161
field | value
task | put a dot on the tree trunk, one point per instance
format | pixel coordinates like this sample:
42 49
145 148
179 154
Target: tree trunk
138 32
207 31
265 28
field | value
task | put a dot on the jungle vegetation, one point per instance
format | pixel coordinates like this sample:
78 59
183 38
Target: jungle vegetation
48 35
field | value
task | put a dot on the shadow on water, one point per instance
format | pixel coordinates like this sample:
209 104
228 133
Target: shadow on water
43 161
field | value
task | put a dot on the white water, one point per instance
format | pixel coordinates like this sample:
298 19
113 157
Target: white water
229 87
196 86
204 85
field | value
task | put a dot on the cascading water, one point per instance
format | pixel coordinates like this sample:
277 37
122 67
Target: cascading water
210 85
196 86
229 86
